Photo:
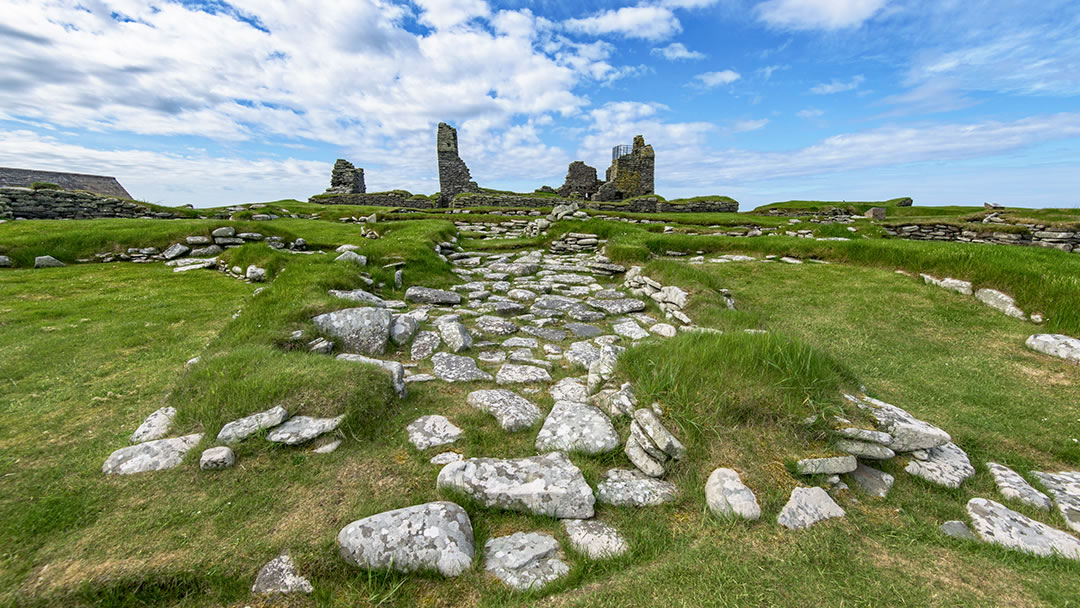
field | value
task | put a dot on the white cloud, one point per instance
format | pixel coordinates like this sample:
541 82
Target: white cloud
817 14
644 21
444 14
676 51
744 126
688 3
767 71
838 86
810 113
715 79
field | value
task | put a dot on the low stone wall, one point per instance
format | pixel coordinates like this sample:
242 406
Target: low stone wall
645 204
394 198
1037 236
24 203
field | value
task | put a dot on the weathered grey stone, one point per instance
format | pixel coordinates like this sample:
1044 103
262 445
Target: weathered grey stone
616 403
300 429
961 287
543 485
220 457
827 466
1056 345
525 560
645 460
457 368
1000 301
241 429
806 507
577 427
427 295
545 333
864 449
511 373
430 431
424 345
582 354
582 330
727 496
1012 485
1065 488
603 368
255 274
957 529
432 536
402 329
198 240
47 261
865 435
363 330
997 524
947 466
521 295
908 432
224 232
515 269
359 295
446 458
280 575
395 369
174 251
206 252
872 481
595 539
327 448
631 488
519 342
156 455
568 389
630 329
495 325
5 262
513 412
492 356
617 307
351 257
659 434
455 336
156 425
664 330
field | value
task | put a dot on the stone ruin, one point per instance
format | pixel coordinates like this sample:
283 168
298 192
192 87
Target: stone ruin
581 181
454 177
346 179
630 174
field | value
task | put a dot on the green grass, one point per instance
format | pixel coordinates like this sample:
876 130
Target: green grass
90 350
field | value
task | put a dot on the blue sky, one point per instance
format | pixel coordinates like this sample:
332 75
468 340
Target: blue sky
212 102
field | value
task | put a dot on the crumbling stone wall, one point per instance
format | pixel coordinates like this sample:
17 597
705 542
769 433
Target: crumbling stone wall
393 198
1038 235
346 179
454 177
24 203
645 204
630 175
580 180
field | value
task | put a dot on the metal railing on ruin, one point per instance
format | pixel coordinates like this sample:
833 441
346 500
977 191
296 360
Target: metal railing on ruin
619 151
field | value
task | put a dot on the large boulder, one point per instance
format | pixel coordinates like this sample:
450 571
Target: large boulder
577 427
362 330
543 485
432 536
995 523
155 455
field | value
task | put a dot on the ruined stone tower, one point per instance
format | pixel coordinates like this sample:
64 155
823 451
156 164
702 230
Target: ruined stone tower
631 172
346 179
454 176
580 181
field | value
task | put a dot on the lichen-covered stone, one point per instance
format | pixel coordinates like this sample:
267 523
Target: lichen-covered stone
908 432
301 429
513 412
219 457
241 429
595 539
543 485
280 575
577 427
727 496
430 431
457 368
1056 345
1065 488
433 536
156 455
361 330
947 466
525 560
997 524
806 507
1012 485
157 425
630 488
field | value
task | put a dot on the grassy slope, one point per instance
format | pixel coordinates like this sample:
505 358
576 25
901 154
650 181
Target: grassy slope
196 539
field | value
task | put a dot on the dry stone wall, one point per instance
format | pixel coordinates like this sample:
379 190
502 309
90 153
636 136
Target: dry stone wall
25 203
1037 235
645 204
393 198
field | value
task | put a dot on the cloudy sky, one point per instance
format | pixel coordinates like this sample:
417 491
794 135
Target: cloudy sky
212 102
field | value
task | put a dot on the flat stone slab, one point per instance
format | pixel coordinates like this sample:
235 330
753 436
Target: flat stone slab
629 329
497 326
429 431
1000 301
827 466
361 330
427 295
995 523
908 432
525 560
511 373
630 488
156 455
300 429
577 427
1012 485
568 389
455 335
582 330
241 429
546 333
873 481
544 485
280 575
582 354
513 412
156 425
424 345
658 433
728 497
359 295
1065 488
457 368
620 306
947 466
806 507
1056 345
864 449
595 539
432 536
